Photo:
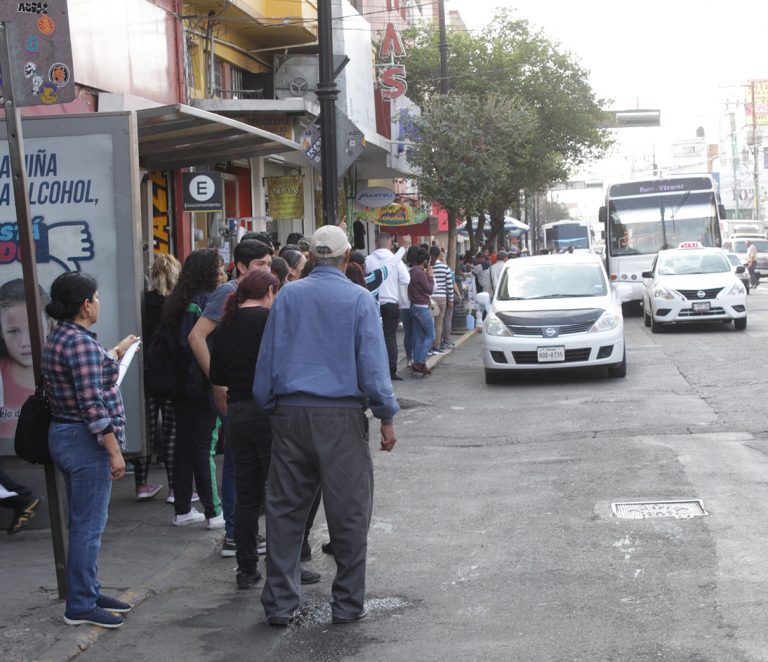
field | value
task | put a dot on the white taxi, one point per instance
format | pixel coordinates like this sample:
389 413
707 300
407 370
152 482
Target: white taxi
553 312
693 284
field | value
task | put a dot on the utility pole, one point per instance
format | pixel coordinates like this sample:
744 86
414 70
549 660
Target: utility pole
735 163
442 46
755 151
327 93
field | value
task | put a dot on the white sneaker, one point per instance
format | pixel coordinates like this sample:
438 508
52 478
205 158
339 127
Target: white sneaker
215 522
192 517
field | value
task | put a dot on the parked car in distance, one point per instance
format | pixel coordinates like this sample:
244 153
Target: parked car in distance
743 275
693 284
553 312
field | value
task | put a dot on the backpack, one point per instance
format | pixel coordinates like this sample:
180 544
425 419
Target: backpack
166 365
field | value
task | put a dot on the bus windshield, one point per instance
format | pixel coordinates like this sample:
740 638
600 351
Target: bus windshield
648 224
568 235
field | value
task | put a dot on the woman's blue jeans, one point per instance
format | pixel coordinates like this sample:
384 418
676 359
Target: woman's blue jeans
423 332
88 480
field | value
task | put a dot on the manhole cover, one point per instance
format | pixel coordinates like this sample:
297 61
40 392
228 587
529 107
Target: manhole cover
646 509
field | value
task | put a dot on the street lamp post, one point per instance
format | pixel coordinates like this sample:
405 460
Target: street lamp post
327 93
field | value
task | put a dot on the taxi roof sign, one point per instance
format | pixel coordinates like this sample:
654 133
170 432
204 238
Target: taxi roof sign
690 244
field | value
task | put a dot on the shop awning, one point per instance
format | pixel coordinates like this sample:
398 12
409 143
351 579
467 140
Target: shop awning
179 136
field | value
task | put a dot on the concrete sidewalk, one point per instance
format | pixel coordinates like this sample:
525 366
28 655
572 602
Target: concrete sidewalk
142 556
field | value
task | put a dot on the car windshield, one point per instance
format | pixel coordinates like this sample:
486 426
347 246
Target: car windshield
680 263
553 281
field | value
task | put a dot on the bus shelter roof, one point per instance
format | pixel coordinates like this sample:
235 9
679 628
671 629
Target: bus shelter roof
179 136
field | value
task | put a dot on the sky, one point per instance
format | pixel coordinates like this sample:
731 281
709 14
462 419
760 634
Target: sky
683 57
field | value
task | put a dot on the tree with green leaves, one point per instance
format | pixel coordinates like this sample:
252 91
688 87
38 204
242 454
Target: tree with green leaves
510 59
460 157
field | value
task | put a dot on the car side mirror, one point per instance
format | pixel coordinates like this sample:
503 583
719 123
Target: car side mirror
740 269
602 214
484 299
647 274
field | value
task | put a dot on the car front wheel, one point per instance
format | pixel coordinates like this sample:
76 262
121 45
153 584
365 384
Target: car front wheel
740 323
656 327
620 369
493 377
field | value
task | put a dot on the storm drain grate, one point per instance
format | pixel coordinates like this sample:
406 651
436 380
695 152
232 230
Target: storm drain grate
648 509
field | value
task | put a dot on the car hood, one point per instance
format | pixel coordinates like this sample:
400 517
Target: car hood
545 305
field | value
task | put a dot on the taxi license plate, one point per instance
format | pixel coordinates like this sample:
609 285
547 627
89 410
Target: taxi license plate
700 305
551 354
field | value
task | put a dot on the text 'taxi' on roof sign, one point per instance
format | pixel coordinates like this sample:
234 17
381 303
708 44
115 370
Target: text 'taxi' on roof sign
40 52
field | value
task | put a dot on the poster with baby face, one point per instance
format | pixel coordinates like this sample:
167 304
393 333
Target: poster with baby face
75 213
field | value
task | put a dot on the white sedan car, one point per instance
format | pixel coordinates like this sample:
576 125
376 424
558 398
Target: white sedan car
550 312
693 284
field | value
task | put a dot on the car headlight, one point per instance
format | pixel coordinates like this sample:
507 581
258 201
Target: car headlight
662 293
493 326
736 290
610 319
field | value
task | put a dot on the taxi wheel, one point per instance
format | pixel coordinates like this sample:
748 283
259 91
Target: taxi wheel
656 327
740 323
620 369
646 317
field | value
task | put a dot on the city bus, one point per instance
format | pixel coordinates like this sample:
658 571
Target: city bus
559 236
643 217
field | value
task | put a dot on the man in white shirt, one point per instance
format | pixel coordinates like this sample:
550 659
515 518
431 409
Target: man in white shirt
397 274
497 268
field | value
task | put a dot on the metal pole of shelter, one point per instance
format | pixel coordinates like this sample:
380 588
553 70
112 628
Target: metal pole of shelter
327 93
31 289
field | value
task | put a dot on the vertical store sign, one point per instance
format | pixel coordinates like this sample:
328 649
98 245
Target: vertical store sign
392 74
161 225
40 50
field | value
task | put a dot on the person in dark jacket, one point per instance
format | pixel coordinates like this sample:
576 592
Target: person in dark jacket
195 414
163 275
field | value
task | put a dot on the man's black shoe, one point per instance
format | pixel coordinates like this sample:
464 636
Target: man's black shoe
396 378
281 621
246 580
327 548
309 577
339 620
306 550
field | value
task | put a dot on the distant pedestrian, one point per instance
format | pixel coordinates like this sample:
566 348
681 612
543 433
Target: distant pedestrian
751 264
497 269
86 437
420 290
397 274
317 391
20 499
442 276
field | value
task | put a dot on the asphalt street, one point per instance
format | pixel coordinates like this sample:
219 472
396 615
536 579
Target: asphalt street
493 536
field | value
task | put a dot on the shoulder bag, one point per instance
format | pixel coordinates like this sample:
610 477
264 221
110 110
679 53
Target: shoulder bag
31 440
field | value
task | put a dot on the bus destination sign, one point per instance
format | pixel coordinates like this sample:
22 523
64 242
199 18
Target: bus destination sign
661 186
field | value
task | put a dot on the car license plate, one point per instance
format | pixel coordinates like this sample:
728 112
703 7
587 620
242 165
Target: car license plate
700 305
551 354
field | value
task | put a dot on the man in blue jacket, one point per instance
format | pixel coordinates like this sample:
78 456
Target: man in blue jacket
322 362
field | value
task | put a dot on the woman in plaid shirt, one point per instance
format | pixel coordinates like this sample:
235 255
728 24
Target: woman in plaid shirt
86 437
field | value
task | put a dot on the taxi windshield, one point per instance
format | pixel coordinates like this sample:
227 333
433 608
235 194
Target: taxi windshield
553 281
680 263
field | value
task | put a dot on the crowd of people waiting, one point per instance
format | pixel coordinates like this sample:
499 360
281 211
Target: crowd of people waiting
254 372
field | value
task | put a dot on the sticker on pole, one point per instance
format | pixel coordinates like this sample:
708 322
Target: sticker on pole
40 52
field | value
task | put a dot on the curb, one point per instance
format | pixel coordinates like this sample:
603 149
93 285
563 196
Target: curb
432 361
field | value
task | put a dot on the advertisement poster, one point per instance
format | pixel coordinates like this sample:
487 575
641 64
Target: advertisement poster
286 197
75 212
